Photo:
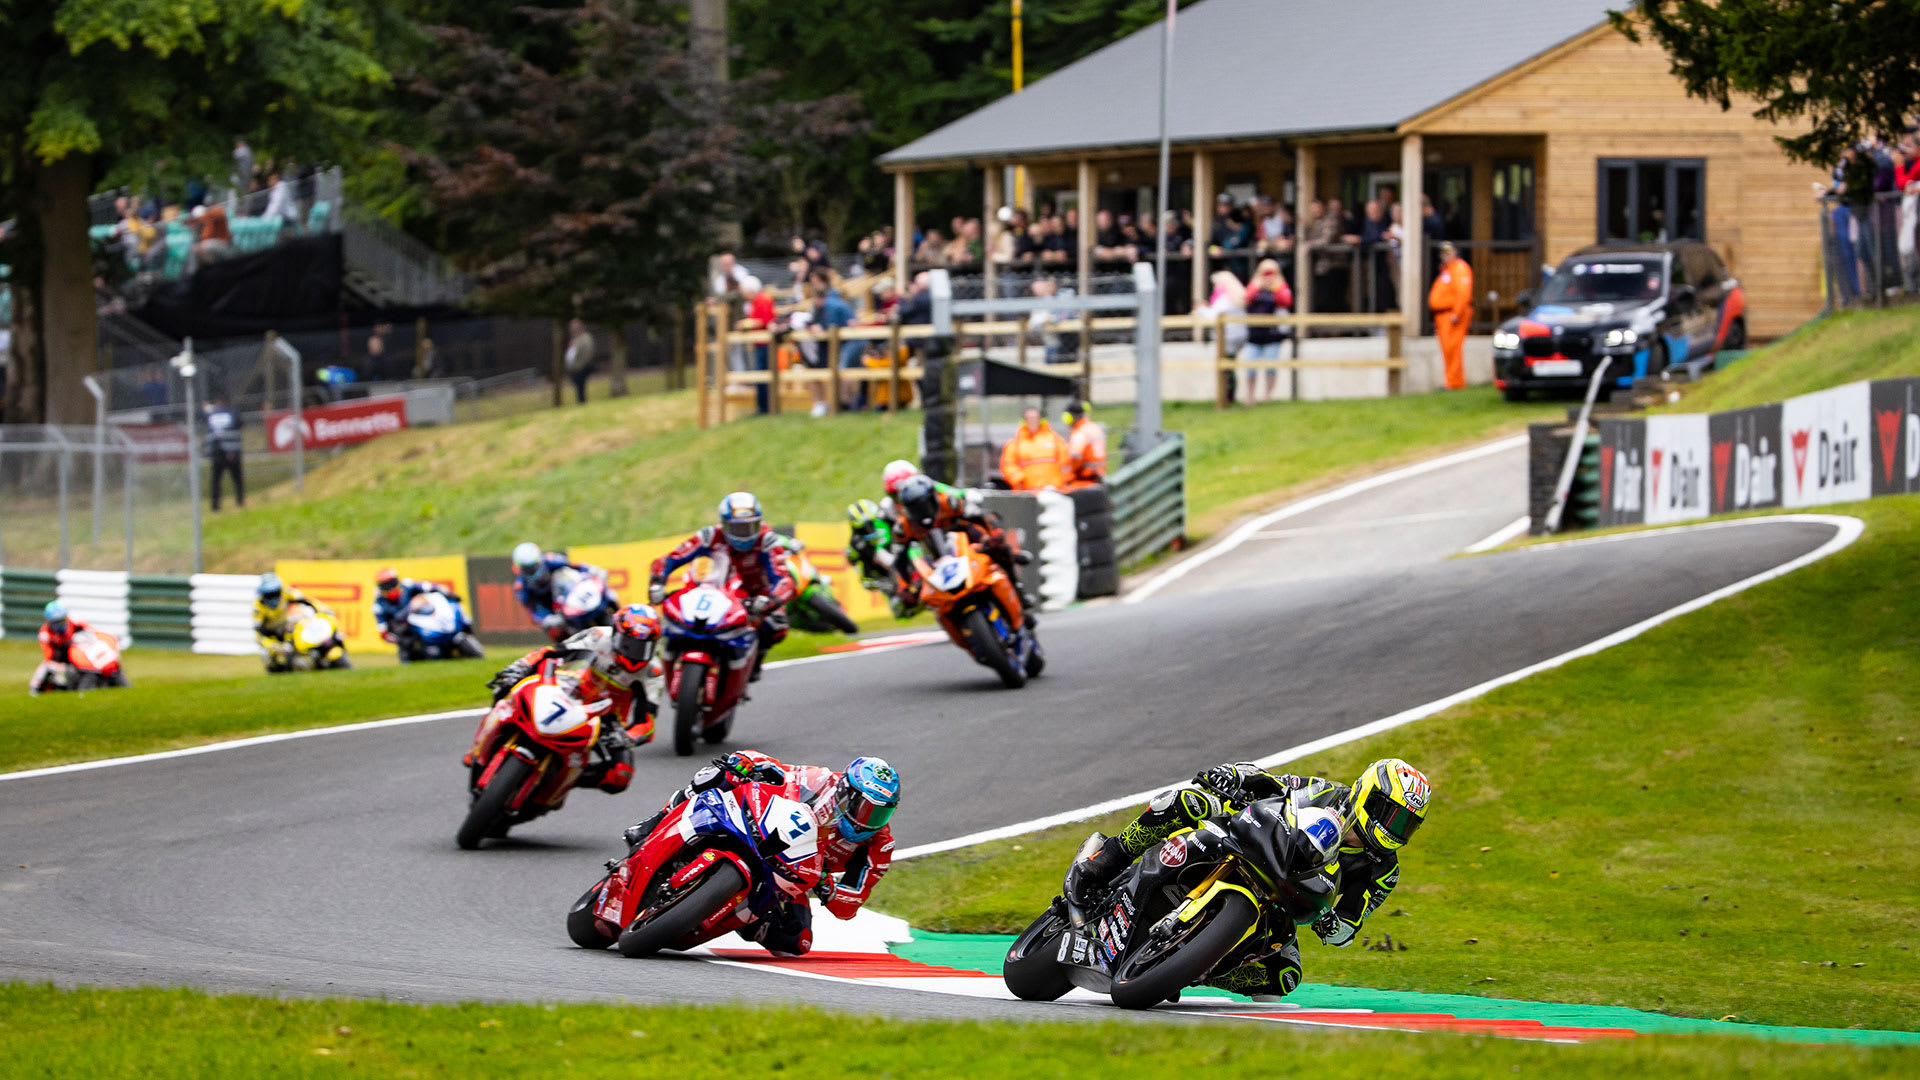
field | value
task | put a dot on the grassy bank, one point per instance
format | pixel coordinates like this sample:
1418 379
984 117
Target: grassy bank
106 1034
1715 819
1843 348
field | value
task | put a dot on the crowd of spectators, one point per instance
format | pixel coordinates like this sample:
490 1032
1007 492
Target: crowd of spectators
1874 214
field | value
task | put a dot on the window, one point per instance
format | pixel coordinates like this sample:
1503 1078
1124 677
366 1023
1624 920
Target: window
1652 200
1513 200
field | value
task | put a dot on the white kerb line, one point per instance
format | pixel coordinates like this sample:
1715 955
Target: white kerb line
1505 533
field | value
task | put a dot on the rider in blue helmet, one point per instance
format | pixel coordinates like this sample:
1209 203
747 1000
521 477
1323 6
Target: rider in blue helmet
271 599
738 544
56 637
533 571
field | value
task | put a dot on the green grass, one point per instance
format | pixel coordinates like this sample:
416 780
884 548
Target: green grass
1719 818
1843 348
106 1034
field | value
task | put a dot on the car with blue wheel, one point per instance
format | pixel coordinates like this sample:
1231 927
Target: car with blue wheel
1645 307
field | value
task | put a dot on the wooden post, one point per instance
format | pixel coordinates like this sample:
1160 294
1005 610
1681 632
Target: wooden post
1394 374
675 373
990 232
700 359
1413 246
1305 172
717 344
1220 372
1089 192
902 230
269 360
893 369
559 373
773 378
420 346
1021 354
1202 233
833 371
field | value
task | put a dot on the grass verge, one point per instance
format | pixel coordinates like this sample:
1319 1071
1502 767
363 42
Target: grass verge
105 1034
1716 819
1842 348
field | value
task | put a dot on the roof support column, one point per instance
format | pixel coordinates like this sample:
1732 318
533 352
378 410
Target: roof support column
1413 245
990 229
1304 170
1083 252
1202 233
902 230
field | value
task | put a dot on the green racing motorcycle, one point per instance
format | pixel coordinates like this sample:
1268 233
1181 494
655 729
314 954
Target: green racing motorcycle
813 608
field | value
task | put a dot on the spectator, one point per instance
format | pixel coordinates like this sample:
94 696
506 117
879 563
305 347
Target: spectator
428 365
1375 240
760 316
1036 458
1067 225
1040 323
1451 299
1229 298
725 276
242 167
1276 226
224 448
215 238
1907 182
976 247
932 249
579 357
832 311
153 387
957 251
1329 284
280 203
1267 294
1109 244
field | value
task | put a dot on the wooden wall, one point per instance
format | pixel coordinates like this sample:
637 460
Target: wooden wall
1604 96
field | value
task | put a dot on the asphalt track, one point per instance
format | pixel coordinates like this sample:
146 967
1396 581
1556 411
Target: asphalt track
326 865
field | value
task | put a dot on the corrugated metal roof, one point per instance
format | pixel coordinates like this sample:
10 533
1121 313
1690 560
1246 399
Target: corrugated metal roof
1266 68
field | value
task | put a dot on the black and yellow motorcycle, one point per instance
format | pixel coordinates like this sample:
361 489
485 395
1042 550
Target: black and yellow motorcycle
1192 909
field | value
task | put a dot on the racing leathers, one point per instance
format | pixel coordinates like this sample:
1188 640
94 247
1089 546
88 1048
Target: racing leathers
271 629
959 510
850 868
1363 877
390 615
762 571
535 591
630 709
54 664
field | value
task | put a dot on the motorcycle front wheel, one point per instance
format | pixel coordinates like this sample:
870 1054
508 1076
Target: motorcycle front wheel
489 809
1150 975
684 915
986 645
1031 970
583 927
834 615
687 707
469 646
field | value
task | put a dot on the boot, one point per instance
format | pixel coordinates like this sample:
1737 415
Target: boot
637 834
1091 873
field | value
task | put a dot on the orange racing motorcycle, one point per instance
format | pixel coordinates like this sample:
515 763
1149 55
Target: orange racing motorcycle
979 606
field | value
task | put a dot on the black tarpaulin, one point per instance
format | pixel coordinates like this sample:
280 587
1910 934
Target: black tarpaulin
1010 380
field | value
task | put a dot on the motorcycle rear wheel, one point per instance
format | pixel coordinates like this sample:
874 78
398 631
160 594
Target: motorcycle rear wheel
1030 970
986 645
687 707
489 809
1143 987
586 930
685 915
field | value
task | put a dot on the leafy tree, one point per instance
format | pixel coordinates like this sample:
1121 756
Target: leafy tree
595 181
1846 67
102 87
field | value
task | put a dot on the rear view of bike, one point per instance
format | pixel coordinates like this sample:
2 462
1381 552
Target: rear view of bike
711 646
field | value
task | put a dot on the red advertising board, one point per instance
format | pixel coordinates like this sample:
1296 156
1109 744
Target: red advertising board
338 424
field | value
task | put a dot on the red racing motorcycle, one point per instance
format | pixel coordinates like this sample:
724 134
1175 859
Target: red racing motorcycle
713 865
711 645
529 752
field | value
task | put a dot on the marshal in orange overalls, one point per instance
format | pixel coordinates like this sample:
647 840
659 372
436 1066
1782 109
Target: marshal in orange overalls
1451 299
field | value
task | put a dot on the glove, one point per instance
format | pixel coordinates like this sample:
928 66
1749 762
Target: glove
1334 930
759 606
506 677
1222 780
555 621
824 890
656 592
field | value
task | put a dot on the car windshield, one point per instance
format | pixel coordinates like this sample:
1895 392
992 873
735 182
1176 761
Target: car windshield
1595 281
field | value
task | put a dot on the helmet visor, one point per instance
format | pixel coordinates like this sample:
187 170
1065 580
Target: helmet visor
739 531
635 650
271 599
866 816
1395 820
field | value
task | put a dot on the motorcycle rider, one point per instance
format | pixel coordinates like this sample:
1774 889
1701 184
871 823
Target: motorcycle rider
927 507
895 473
1381 811
392 594
613 663
271 602
873 549
741 545
855 841
533 572
56 638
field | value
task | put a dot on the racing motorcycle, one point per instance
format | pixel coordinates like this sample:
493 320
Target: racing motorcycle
313 642
1201 904
713 865
711 645
93 662
978 606
530 750
435 628
813 608
579 601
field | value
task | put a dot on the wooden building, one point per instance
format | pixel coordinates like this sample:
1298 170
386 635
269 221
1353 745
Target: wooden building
1533 126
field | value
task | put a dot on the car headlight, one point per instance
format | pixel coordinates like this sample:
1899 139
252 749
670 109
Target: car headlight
1506 339
1617 338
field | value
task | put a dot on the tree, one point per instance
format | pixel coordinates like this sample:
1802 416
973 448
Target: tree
1846 67
99 86
594 182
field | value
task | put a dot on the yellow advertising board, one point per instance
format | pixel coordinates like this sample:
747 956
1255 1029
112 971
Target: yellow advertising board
346 586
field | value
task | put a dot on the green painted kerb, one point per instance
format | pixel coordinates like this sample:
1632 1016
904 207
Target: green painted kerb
984 952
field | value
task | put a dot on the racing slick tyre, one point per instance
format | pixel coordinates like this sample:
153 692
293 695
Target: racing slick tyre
1090 500
1094 526
1150 975
1030 970
587 931
1096 553
1099 580
986 645
489 809
682 916
834 615
1658 360
1736 334
1036 660
469 646
717 733
687 707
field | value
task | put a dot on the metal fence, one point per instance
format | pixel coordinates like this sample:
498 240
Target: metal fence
1869 251
1149 497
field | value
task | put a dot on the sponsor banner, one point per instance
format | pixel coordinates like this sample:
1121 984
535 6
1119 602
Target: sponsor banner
346 586
1746 459
1676 473
1896 436
1826 446
339 424
1622 472
156 442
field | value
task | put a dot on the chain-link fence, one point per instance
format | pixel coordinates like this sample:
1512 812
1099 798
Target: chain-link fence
73 496
1869 250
